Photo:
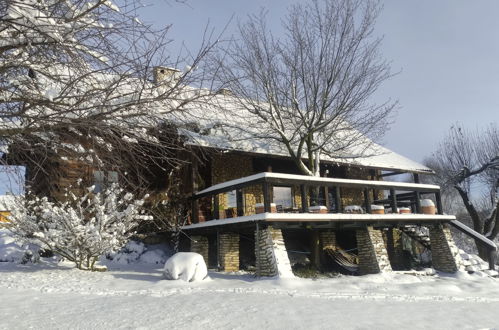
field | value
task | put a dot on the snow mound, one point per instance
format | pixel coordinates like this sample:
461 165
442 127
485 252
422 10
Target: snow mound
137 252
13 251
187 266
475 265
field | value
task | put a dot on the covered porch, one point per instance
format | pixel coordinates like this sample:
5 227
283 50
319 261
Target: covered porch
268 203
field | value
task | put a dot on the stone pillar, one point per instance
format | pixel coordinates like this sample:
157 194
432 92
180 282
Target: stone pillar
270 253
328 239
444 253
199 244
373 257
228 253
394 247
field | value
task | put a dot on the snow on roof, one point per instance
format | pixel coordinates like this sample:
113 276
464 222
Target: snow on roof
312 179
221 123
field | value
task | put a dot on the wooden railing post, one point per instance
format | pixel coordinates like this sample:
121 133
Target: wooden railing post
337 199
216 208
418 201
266 197
195 211
438 199
327 202
303 196
239 202
367 201
393 200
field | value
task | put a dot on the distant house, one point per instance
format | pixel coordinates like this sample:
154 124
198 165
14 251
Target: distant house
252 208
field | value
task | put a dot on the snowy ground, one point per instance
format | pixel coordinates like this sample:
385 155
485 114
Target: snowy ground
51 296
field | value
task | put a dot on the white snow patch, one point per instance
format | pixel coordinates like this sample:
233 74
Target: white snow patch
187 266
427 203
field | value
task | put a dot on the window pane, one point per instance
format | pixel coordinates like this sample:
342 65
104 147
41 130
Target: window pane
231 199
283 196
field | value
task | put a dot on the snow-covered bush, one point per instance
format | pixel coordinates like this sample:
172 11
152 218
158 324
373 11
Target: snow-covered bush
138 252
13 251
81 228
187 266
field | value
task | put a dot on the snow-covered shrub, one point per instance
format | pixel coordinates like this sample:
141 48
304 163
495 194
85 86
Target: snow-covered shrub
187 266
138 252
13 251
81 228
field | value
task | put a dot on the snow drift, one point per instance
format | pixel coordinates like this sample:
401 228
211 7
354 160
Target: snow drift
187 266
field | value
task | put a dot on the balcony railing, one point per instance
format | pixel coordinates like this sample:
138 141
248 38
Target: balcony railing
207 205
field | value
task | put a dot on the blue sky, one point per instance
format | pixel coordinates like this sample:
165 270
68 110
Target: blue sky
447 52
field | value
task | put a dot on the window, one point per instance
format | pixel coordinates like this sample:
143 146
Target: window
103 179
231 199
283 196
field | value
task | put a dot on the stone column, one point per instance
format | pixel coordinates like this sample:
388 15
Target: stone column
199 244
228 253
444 253
328 239
270 253
393 240
373 257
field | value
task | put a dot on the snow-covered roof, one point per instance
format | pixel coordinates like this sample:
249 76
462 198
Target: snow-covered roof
220 122
404 186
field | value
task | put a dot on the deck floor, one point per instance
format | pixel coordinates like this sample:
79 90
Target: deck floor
328 217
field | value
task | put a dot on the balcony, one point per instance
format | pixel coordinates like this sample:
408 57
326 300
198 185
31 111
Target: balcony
253 199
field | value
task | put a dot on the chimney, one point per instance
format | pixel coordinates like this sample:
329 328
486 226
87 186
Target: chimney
166 74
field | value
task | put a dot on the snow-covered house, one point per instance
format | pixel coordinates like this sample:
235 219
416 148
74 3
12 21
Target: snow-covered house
251 207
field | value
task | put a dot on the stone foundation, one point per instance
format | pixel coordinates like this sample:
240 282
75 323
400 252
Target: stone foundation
228 252
270 253
199 244
373 257
444 253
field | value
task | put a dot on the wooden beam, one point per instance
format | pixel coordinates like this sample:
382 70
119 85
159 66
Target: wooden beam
216 207
438 199
417 196
391 174
239 202
303 197
337 199
326 198
194 188
266 197
367 201
393 201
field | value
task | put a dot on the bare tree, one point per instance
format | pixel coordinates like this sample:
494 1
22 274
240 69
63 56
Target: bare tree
466 161
309 91
75 85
